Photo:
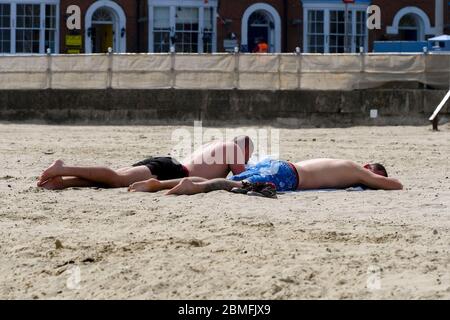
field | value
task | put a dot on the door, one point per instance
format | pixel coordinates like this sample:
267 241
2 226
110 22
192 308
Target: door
102 38
259 28
316 31
107 41
256 33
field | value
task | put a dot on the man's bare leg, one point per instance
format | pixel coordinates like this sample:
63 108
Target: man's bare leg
154 185
188 187
60 183
100 175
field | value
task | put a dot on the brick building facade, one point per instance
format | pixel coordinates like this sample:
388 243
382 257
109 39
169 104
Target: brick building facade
33 26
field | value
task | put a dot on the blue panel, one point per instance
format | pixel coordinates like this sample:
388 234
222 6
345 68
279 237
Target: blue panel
399 46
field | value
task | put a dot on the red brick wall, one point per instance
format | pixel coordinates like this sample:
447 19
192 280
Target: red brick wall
143 26
295 25
233 10
129 7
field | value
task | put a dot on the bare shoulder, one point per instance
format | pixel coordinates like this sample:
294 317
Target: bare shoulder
351 164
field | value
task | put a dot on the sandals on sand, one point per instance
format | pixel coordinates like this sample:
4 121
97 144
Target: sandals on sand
266 190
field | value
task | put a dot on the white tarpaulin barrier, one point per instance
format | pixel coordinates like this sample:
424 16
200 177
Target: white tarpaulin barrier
223 71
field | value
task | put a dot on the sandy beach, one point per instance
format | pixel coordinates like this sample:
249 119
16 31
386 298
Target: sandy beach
105 244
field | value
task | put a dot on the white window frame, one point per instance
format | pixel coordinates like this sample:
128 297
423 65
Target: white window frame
162 30
173 4
42 3
332 6
7 27
191 32
315 34
119 42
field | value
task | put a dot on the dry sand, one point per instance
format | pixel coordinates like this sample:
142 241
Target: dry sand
221 245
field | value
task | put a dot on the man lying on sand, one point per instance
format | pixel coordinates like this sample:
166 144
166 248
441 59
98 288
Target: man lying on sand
270 176
212 160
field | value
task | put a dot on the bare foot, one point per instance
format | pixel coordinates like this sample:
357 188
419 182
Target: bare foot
152 185
50 172
55 183
186 187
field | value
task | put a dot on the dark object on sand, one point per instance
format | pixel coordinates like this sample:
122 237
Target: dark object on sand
266 190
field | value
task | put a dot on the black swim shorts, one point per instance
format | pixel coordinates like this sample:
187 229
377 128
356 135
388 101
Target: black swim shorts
164 168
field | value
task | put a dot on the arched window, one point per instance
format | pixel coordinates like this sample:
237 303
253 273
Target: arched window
411 24
102 15
259 19
105 27
410 28
261 22
102 30
260 27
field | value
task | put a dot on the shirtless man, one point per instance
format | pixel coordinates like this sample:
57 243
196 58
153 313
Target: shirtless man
305 175
213 160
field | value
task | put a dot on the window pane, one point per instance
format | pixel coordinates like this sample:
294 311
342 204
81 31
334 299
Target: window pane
161 27
50 16
315 31
337 31
161 42
28 28
5 28
320 15
186 15
161 18
187 29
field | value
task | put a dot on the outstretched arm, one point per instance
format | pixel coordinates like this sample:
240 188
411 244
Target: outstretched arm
375 181
188 187
154 185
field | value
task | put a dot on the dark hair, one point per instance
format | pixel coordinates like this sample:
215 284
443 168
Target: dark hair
379 168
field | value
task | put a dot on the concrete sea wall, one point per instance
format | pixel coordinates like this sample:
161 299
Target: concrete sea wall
222 107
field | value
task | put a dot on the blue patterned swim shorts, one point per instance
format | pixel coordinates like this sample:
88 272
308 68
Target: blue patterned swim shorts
281 173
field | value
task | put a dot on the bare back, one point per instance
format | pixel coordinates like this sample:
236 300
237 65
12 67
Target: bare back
327 173
335 173
216 160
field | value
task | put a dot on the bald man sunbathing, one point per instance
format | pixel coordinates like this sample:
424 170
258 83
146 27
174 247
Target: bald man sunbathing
285 176
213 160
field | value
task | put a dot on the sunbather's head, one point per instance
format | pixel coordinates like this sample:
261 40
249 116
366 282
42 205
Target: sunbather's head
377 169
245 143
